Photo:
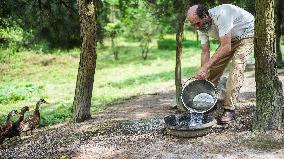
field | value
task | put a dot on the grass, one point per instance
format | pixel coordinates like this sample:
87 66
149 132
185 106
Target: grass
28 76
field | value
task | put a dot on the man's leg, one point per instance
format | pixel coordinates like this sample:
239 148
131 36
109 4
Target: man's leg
216 71
236 77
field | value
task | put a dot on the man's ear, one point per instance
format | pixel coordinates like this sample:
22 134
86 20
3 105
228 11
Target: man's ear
206 16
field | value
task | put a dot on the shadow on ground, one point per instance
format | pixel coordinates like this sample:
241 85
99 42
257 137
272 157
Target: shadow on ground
134 129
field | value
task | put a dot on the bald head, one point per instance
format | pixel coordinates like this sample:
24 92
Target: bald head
198 10
199 17
191 13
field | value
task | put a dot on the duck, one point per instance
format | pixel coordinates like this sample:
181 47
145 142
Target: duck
6 128
31 121
16 126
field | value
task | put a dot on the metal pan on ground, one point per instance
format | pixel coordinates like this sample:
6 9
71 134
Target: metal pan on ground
198 97
176 126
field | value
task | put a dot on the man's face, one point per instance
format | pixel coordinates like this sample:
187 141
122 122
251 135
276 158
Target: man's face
203 24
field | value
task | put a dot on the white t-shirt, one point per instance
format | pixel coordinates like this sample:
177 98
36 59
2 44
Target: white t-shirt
228 18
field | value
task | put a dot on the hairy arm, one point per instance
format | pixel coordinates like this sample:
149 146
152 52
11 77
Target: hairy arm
205 55
223 51
207 62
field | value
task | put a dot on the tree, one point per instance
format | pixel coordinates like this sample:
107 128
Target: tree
279 15
172 15
113 29
87 65
179 37
52 22
140 25
269 97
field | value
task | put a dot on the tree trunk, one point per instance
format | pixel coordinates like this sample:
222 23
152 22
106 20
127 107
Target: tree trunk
87 65
179 36
145 50
178 84
278 32
114 48
145 53
197 37
269 98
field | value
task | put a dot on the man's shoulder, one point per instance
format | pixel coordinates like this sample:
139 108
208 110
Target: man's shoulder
224 8
221 6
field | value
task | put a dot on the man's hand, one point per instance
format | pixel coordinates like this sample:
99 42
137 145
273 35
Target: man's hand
202 73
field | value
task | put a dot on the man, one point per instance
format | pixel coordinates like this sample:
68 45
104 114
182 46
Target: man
234 28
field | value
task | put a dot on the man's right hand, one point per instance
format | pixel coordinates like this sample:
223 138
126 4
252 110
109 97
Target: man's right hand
202 73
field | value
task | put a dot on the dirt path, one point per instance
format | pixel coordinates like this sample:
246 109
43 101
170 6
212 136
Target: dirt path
134 129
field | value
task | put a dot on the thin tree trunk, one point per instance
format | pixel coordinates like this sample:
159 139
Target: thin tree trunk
178 84
87 65
145 50
179 36
197 37
114 48
269 97
278 33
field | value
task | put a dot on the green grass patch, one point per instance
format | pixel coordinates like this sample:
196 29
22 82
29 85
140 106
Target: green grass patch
170 44
31 75
13 92
57 113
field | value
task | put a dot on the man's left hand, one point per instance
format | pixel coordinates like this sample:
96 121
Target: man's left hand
202 73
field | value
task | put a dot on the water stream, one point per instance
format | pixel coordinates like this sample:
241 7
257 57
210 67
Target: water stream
201 102
196 119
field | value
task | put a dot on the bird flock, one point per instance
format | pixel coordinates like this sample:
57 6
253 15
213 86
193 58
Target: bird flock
12 128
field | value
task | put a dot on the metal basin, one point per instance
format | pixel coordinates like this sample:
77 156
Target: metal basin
177 125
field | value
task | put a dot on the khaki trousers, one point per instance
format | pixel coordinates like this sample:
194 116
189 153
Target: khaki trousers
239 55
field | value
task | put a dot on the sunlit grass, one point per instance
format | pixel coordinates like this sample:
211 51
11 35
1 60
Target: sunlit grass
54 77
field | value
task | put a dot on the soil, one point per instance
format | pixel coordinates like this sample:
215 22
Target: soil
134 128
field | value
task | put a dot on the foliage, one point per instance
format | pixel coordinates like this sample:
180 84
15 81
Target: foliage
11 34
167 13
52 23
141 26
56 23
102 13
11 93
113 29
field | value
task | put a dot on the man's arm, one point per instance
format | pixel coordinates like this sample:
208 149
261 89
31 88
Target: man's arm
205 55
223 51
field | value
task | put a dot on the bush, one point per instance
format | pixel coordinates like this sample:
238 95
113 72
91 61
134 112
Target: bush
11 35
42 46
